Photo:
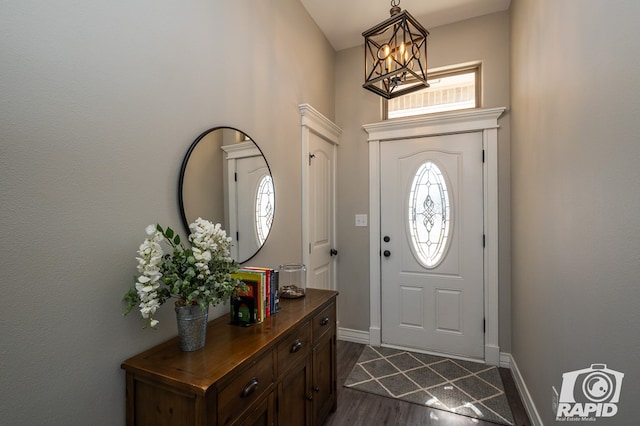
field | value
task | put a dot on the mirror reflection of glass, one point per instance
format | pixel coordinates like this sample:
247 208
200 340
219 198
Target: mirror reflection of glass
265 199
225 179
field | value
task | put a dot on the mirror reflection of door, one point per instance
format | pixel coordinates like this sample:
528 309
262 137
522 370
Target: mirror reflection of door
250 198
231 186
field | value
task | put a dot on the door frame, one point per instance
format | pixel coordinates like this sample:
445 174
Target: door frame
473 120
313 121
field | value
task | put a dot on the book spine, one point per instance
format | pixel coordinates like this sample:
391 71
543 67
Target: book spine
267 291
276 281
271 292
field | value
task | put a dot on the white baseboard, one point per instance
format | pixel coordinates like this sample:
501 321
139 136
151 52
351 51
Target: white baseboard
350 335
492 354
505 360
529 406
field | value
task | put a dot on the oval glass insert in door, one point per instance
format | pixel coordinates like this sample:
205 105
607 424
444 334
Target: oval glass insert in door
429 214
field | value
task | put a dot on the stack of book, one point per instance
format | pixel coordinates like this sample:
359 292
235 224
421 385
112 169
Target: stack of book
260 301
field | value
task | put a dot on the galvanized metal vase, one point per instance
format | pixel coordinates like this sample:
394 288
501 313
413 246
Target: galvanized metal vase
192 327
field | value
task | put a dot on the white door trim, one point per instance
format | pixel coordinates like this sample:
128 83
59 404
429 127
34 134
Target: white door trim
484 120
313 121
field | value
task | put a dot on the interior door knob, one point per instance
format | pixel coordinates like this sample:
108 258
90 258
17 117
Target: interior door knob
333 252
386 253
386 239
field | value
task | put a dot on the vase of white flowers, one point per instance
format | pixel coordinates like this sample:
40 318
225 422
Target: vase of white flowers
196 277
192 327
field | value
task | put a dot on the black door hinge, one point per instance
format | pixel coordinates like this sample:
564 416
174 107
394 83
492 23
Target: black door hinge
484 240
483 155
484 325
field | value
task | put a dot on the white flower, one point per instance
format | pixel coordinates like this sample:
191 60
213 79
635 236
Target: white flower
147 283
205 280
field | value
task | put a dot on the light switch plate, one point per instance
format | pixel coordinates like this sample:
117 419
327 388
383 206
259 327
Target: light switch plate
361 220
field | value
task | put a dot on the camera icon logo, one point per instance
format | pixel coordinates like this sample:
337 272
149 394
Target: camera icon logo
590 392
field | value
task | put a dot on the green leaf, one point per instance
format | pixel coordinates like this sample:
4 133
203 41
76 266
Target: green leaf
176 240
132 298
159 228
169 233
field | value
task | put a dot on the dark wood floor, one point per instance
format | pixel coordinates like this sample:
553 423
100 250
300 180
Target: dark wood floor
359 408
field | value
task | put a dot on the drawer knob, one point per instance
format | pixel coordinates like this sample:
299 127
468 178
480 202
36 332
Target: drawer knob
250 388
297 345
316 389
310 397
324 321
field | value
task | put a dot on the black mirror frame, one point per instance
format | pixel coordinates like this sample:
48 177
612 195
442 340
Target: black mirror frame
183 167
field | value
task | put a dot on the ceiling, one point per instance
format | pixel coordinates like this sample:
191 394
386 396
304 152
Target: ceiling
344 21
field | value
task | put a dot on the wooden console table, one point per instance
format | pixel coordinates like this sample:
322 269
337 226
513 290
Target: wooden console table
280 372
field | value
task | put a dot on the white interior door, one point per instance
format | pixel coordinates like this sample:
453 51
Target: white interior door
321 209
431 221
320 138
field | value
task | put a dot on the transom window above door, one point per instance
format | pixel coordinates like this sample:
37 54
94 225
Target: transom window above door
451 89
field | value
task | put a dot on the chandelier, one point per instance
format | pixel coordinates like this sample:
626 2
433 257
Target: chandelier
395 55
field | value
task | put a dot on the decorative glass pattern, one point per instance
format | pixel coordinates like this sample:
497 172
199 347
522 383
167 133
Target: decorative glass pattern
264 208
429 214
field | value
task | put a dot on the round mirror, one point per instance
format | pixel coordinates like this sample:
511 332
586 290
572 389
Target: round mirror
225 179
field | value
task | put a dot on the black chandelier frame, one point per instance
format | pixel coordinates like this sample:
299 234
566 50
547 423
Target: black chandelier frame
396 55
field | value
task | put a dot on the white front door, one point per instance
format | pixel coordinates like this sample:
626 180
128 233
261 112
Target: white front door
431 244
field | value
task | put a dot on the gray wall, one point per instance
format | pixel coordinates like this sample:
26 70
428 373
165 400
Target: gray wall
484 39
575 200
99 103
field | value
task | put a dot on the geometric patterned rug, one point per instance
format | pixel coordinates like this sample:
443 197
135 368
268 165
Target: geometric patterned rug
462 387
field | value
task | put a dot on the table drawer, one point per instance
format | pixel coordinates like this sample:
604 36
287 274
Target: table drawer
294 348
324 321
235 397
